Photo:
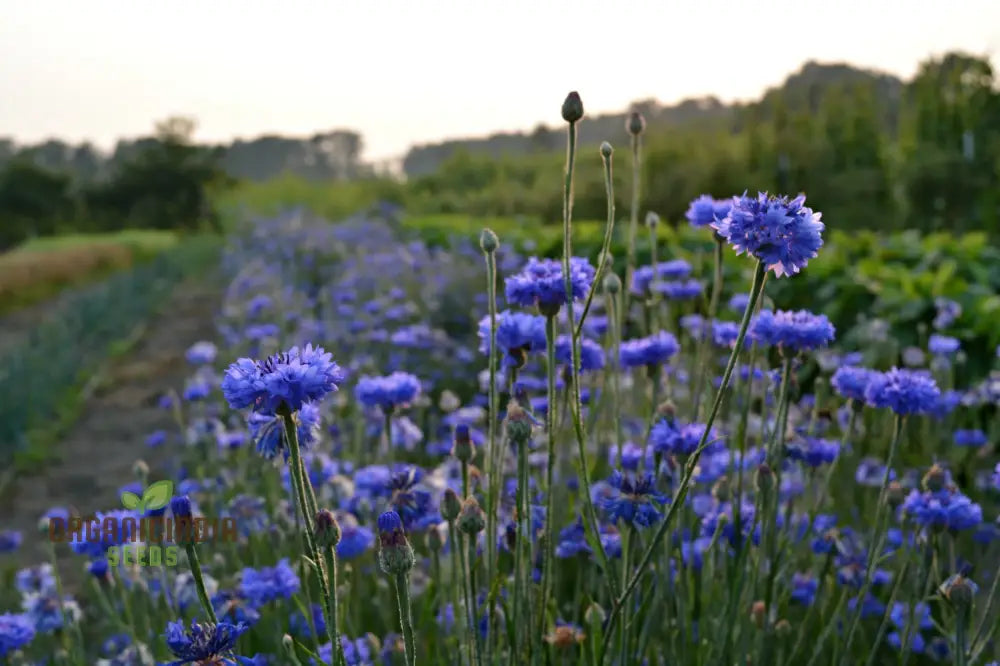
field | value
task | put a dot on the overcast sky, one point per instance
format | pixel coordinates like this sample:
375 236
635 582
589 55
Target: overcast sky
412 71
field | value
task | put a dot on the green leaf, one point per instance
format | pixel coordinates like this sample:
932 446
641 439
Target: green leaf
158 494
130 500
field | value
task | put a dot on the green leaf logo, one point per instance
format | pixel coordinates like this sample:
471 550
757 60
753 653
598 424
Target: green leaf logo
130 500
157 495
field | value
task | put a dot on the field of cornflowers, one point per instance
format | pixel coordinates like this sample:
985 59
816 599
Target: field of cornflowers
465 455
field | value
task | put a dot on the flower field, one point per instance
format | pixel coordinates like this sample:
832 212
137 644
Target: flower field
403 453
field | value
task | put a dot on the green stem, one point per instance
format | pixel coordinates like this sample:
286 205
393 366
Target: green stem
522 542
494 471
405 619
878 540
609 227
549 545
961 619
756 287
633 222
330 601
199 582
981 629
703 341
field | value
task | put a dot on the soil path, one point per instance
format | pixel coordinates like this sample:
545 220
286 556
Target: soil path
97 455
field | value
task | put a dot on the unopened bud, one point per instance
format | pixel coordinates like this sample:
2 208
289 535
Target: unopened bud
435 538
462 448
895 494
451 506
635 123
488 241
666 410
472 519
606 150
721 489
395 554
518 424
758 613
782 627
959 590
449 402
572 108
289 646
935 478
652 220
612 283
327 529
181 506
140 469
764 478
594 615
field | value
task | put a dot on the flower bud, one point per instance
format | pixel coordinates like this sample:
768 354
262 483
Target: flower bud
289 646
935 478
594 615
612 283
959 590
510 535
763 479
666 410
449 402
395 554
721 490
451 506
635 123
518 424
327 529
472 519
488 241
782 628
435 538
572 108
652 220
462 448
758 613
140 469
895 494
181 506
374 644
606 150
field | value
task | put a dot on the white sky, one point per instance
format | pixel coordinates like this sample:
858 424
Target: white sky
404 72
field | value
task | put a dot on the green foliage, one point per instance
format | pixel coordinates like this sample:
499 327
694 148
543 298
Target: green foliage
33 201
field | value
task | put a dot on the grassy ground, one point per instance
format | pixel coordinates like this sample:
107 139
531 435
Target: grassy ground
42 267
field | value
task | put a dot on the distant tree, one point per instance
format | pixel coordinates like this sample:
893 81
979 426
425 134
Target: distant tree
33 201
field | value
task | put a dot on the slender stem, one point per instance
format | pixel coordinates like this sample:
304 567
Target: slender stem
961 620
457 580
884 624
633 222
549 545
654 296
467 594
756 287
924 586
473 610
609 228
713 308
405 618
878 538
199 582
990 601
494 472
330 601
521 543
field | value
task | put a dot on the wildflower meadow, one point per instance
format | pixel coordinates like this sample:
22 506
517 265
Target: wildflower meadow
396 452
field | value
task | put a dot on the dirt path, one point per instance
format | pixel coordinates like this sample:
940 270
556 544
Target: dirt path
97 455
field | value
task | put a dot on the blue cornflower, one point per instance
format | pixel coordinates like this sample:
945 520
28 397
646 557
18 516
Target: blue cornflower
706 210
156 438
517 334
995 477
632 500
804 588
945 509
286 379
267 430
947 312
667 438
541 283
250 514
679 290
739 302
413 503
724 334
36 579
798 331
814 451
942 345
357 652
782 233
871 471
301 627
970 438
631 455
106 529
10 540
591 354
16 631
205 643
902 391
389 392
266 584
852 382
572 541
355 540
653 350
232 607
201 353
46 611
644 276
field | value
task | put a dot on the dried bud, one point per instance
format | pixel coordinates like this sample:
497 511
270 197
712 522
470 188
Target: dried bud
758 613
395 554
327 529
935 478
635 123
895 494
141 470
450 505
462 448
783 628
612 283
606 150
449 402
666 410
764 479
572 108
488 241
472 519
652 220
565 636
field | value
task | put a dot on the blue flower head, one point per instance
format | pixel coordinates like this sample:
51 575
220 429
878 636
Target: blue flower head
705 210
781 232
16 631
287 379
591 354
852 382
970 438
204 643
541 283
517 334
903 391
396 390
260 586
943 345
797 331
644 276
653 350
268 430
633 500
